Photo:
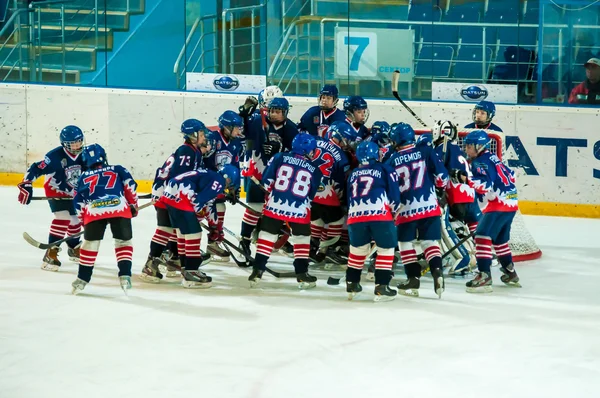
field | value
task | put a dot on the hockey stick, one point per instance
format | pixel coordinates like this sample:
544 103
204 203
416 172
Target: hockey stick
148 196
336 281
395 79
276 274
45 246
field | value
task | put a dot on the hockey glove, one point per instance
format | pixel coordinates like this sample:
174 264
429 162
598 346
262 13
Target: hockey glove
458 176
441 196
271 148
134 210
248 108
25 192
233 197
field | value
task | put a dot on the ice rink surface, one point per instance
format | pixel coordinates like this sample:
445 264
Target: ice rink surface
278 342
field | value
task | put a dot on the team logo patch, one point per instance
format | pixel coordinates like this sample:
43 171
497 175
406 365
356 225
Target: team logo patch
315 119
72 175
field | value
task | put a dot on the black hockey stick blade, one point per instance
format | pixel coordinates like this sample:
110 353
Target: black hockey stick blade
46 246
48 198
334 281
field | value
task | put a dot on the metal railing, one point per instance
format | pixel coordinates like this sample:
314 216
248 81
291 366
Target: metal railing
180 72
229 67
14 23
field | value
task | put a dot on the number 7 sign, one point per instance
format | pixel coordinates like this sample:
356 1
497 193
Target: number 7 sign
355 53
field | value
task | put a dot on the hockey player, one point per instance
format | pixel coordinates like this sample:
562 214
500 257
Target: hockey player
420 171
380 134
249 110
459 196
62 167
106 195
357 114
228 150
292 181
494 184
185 196
187 157
483 114
318 118
264 138
373 200
329 202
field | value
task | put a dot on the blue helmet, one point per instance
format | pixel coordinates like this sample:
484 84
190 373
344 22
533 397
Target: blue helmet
280 103
425 139
191 128
367 152
93 154
69 136
233 173
355 103
331 91
479 138
230 120
381 127
342 132
303 144
402 134
210 143
488 107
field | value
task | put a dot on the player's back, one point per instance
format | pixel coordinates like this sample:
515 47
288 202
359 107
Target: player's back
420 170
495 184
293 182
185 158
455 159
105 192
373 193
193 190
333 164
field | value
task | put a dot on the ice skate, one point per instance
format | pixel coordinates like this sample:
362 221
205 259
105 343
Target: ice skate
78 286
218 254
410 287
353 289
333 259
316 257
509 276
255 277
287 250
73 253
50 261
245 246
125 281
438 281
306 281
384 293
482 283
151 273
196 280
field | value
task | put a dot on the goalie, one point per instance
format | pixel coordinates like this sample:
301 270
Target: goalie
460 197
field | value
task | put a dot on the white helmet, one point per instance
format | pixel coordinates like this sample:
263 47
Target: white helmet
444 129
267 94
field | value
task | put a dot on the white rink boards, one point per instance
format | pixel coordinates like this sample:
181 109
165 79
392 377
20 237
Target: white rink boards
278 342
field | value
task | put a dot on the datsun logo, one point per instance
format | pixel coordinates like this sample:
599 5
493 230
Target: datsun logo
226 83
474 93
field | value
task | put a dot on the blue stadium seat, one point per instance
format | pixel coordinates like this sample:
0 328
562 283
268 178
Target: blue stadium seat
462 14
439 34
513 63
518 36
468 64
473 35
424 12
502 13
434 61
551 13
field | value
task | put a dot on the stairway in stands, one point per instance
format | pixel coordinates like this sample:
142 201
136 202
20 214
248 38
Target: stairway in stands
85 34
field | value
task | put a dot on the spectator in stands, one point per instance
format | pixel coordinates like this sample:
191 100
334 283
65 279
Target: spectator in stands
588 92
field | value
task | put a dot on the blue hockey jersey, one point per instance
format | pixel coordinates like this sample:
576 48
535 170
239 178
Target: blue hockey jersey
373 194
62 170
494 184
105 192
186 158
420 170
334 165
193 190
292 182
316 122
455 159
255 159
362 131
226 152
490 126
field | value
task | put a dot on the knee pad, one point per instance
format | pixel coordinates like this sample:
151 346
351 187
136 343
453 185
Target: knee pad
363 250
221 207
122 243
192 236
75 220
257 207
168 230
90 245
404 246
385 252
263 235
297 239
63 215
339 222
426 244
